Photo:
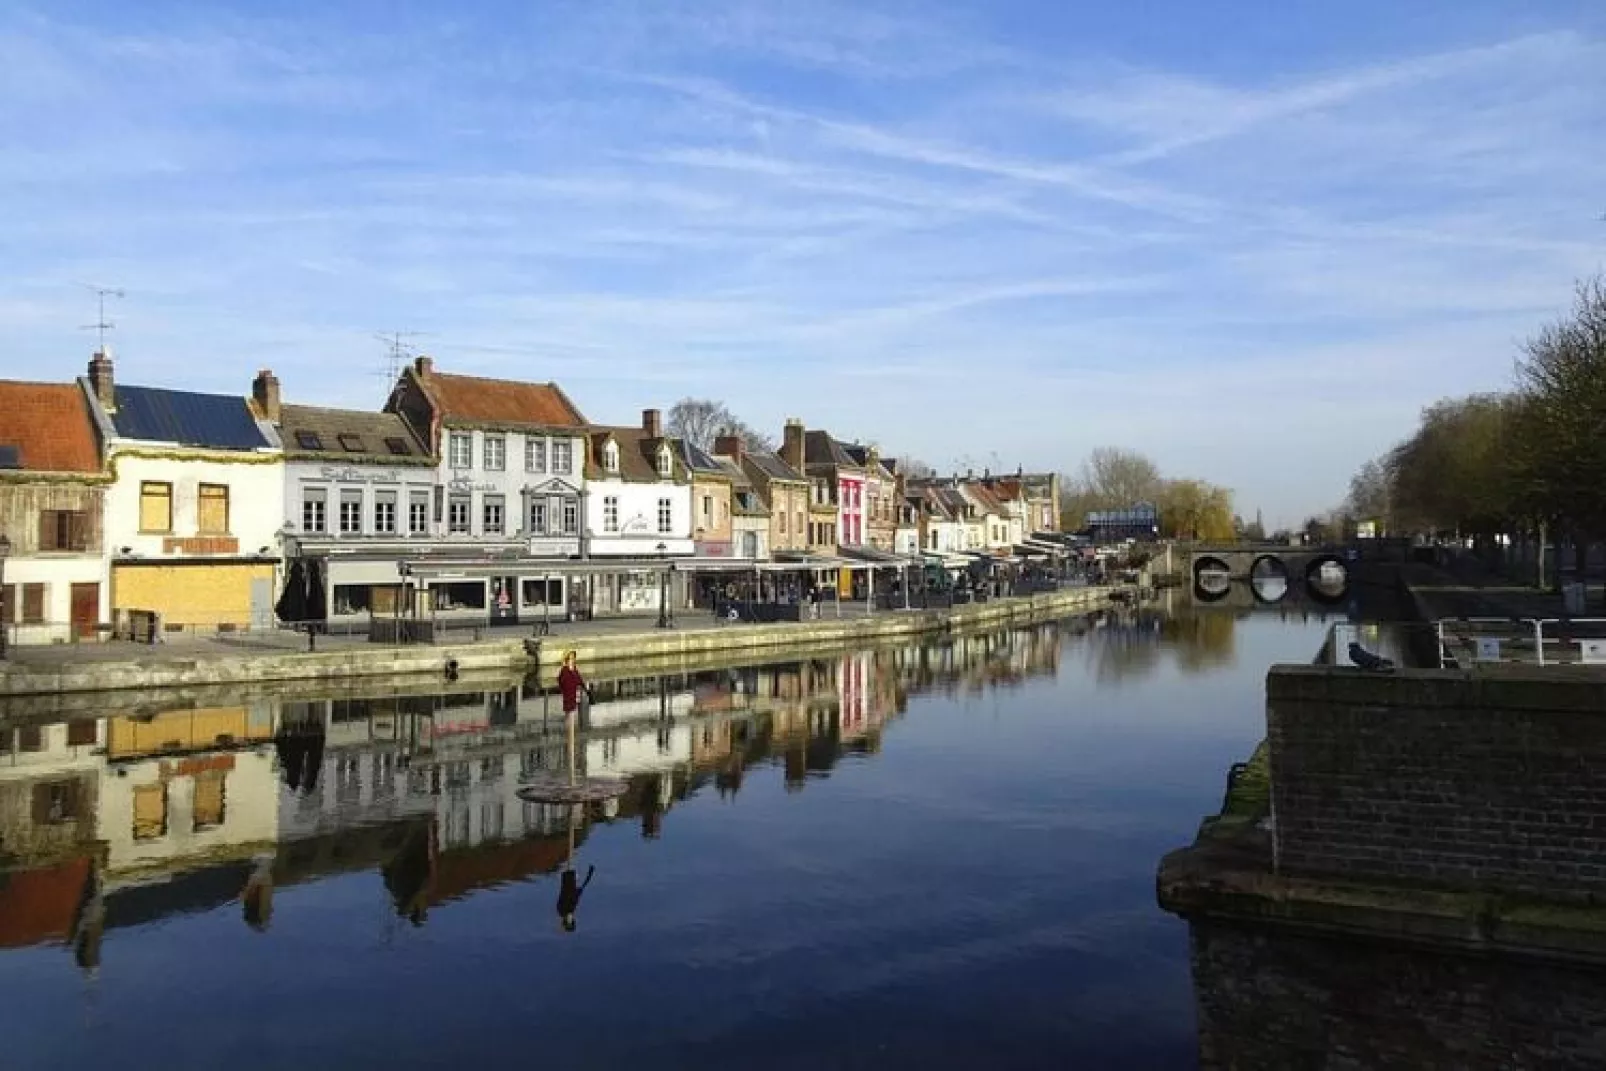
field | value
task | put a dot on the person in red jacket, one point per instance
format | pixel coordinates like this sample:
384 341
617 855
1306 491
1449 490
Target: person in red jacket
570 683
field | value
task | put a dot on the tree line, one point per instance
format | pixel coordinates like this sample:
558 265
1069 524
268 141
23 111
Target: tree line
1529 461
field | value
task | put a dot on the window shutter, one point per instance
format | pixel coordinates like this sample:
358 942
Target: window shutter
47 529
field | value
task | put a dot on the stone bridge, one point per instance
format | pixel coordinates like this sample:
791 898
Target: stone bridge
1243 561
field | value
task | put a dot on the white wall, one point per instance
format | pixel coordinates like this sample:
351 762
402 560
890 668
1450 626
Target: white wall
906 541
256 499
58 572
512 482
638 533
332 478
759 526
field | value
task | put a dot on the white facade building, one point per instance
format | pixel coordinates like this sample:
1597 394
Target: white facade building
509 482
193 514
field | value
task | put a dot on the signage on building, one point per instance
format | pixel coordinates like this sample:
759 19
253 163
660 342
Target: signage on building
554 548
462 485
350 474
636 525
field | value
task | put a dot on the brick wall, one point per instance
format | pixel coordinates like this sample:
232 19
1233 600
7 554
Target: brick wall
1268 999
1440 777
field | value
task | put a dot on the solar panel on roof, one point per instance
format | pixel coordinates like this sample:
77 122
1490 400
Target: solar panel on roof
219 421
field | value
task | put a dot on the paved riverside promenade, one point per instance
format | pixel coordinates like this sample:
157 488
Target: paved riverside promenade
246 658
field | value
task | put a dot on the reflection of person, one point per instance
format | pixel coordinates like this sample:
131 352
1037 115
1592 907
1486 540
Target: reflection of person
570 889
570 683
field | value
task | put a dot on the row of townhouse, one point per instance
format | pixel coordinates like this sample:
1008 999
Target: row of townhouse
483 498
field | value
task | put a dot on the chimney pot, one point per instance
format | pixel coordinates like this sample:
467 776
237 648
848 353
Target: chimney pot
652 422
728 445
265 393
100 379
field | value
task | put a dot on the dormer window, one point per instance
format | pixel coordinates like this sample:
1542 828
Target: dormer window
666 463
610 456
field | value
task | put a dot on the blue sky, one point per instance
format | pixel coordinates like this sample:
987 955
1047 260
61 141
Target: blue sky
1250 240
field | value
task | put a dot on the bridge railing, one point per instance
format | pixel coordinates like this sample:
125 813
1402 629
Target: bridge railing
1542 641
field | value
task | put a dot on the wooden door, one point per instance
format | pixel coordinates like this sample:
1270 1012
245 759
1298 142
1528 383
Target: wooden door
85 610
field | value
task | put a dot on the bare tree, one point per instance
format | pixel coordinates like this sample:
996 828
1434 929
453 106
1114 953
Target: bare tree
1370 494
915 469
702 420
1120 477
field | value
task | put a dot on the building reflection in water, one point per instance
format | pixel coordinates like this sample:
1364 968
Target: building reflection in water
114 822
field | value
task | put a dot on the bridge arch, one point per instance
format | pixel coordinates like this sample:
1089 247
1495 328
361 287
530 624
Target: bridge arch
1268 579
1212 578
1327 578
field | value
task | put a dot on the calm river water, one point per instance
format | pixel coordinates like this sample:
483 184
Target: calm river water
937 856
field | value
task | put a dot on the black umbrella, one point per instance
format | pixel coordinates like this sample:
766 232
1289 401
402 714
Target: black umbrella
292 604
317 599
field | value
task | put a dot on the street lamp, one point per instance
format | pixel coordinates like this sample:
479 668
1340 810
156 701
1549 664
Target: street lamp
5 552
664 620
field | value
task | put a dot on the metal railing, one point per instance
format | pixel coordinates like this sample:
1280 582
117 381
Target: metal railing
1541 641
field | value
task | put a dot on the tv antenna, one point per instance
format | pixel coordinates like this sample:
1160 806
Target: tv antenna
398 352
101 324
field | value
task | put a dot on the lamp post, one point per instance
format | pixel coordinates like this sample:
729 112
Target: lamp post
5 552
663 586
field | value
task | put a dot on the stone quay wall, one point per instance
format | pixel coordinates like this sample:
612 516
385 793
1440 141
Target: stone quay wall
1441 778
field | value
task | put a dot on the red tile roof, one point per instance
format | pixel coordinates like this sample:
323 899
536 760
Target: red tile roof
49 425
502 402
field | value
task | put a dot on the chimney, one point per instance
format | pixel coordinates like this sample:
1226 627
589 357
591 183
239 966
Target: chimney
423 366
265 393
652 422
100 379
792 444
728 445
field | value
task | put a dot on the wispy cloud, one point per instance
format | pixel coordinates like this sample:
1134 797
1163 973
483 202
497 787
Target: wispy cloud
928 226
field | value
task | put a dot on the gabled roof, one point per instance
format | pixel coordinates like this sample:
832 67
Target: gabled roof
215 421
699 462
772 467
500 403
638 456
351 436
819 448
45 427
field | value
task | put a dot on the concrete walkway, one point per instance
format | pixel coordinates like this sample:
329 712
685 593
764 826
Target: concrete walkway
242 645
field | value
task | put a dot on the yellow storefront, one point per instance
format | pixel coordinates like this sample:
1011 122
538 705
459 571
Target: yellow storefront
200 595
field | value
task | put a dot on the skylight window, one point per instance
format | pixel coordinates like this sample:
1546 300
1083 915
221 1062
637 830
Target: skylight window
351 443
308 440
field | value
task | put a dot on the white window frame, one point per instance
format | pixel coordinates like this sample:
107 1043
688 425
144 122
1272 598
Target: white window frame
535 455
666 463
610 456
385 508
453 504
417 513
350 521
315 520
571 516
493 523
460 446
540 515
610 513
666 516
495 453
560 457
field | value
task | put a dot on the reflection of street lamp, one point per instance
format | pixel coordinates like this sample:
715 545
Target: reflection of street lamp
663 586
5 552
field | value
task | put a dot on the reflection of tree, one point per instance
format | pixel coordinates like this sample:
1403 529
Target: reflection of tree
1201 641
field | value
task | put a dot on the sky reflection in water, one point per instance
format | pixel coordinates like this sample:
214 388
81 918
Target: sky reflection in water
926 856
